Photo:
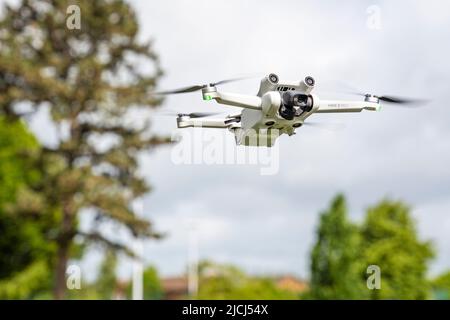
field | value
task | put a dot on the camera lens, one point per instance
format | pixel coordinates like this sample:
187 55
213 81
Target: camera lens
287 112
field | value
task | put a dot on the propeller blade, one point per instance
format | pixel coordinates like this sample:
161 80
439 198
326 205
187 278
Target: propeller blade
200 87
191 115
406 102
230 80
400 100
180 90
202 114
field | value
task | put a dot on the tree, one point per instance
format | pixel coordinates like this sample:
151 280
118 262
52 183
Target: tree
23 247
152 285
224 282
391 242
91 80
335 269
106 280
441 286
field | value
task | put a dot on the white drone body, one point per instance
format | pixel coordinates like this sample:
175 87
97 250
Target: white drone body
278 108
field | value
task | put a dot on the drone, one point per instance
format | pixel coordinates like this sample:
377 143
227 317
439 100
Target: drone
279 107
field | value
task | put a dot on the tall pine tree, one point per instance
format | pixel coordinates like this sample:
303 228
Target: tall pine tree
90 79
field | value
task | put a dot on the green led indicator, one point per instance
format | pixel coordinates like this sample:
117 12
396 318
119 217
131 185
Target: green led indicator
207 98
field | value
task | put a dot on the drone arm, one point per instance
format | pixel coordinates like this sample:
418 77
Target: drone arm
332 106
234 99
202 123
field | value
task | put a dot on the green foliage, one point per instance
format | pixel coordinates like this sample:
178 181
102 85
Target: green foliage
106 280
91 80
14 139
153 289
441 286
26 283
15 169
391 242
220 282
24 250
152 284
387 238
107 283
88 291
335 270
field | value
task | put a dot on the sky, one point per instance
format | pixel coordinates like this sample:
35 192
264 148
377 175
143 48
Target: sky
266 223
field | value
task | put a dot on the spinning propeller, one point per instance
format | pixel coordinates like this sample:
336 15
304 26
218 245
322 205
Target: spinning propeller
192 115
405 102
200 87
399 100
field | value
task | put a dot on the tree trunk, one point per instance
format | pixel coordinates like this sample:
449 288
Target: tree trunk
64 242
61 266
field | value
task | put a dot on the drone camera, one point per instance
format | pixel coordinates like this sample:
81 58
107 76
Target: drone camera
286 112
294 104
